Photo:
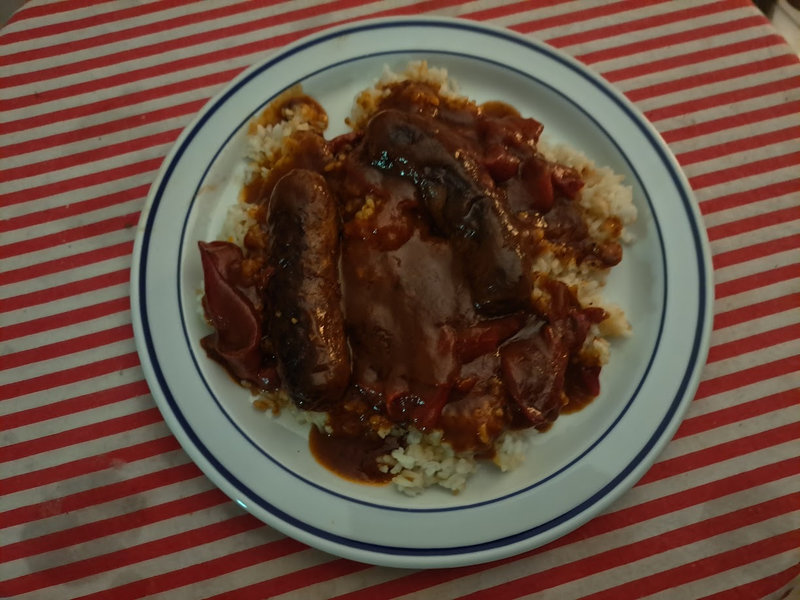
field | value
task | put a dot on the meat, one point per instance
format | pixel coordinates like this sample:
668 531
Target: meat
303 297
474 219
236 322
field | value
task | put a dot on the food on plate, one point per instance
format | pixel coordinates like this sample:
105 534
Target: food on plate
425 289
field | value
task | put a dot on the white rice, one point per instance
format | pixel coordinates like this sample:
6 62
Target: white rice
426 460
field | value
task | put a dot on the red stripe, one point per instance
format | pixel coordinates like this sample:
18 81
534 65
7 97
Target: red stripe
588 12
761 588
203 571
49 352
602 524
756 281
496 12
122 76
759 221
154 25
693 58
80 569
67 236
635 25
48 10
654 44
59 265
73 209
698 459
739 412
144 517
744 197
756 251
705 102
75 159
59 292
50 381
99 495
757 310
61 408
75 183
753 343
123 101
80 435
752 142
756 167
71 317
701 79
85 466
103 129
739 119
170 43
711 565
221 55
294 581
631 553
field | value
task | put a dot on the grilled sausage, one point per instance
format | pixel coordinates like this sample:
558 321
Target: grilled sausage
305 319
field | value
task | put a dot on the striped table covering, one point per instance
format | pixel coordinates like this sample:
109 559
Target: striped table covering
99 500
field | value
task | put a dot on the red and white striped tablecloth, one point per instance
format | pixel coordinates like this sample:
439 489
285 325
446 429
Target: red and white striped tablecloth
98 500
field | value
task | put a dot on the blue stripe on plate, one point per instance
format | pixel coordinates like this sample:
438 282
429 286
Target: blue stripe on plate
492 544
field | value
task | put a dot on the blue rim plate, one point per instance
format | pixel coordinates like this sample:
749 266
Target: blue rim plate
571 473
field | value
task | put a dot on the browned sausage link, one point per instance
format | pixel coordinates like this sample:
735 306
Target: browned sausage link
305 317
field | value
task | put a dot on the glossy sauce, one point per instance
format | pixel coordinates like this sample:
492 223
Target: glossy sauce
442 208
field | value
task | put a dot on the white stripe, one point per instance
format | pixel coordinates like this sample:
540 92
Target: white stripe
58 176
755 326
126 136
730 110
90 192
712 88
64 335
72 390
751 359
52 494
755 208
755 265
65 305
751 182
260 572
739 159
608 67
731 432
172 561
57 520
732 578
64 423
76 274
56 226
30 23
116 27
97 548
760 294
69 361
698 69
30 260
756 236
628 37
731 134
748 393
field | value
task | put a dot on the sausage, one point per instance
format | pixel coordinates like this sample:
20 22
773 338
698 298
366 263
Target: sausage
303 295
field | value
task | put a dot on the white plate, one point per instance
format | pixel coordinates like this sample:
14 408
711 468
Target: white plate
574 471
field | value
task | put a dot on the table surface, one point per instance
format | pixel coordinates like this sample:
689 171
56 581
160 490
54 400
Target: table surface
99 500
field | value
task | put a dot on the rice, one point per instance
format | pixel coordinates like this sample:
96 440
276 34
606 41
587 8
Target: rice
424 459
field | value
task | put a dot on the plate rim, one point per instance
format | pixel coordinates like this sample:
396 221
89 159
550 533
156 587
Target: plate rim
614 488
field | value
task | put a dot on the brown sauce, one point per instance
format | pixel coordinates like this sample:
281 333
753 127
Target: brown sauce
442 209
